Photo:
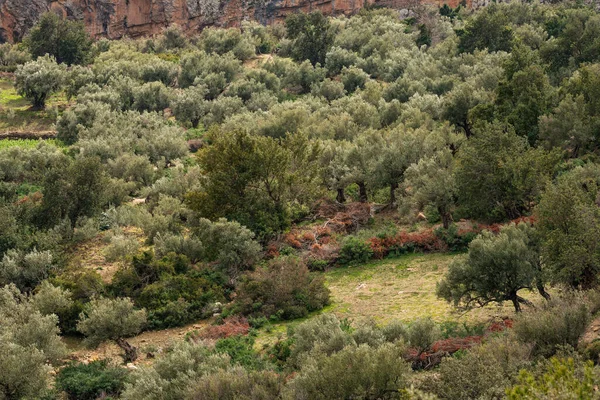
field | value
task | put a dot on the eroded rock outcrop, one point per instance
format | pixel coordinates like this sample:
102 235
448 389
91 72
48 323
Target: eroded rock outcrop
134 18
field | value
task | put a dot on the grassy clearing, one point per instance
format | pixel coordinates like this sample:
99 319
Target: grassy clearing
15 113
401 288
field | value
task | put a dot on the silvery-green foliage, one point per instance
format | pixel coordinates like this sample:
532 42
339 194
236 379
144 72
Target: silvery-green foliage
120 247
36 80
362 371
170 376
25 269
28 340
189 105
151 96
110 319
165 243
229 243
50 299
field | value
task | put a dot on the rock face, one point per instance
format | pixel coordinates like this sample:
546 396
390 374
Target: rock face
134 18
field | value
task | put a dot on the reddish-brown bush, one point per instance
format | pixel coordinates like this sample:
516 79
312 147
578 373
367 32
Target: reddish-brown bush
232 326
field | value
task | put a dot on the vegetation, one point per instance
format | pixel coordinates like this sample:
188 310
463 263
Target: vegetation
270 212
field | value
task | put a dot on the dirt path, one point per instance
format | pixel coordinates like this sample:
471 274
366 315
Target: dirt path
154 342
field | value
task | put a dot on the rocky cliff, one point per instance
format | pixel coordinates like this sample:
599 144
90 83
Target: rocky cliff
117 18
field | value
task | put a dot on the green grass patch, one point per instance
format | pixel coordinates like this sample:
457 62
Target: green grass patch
16 115
27 143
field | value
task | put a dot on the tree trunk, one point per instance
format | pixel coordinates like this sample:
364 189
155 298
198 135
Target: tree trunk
341 197
516 303
446 217
542 290
467 128
362 190
393 188
195 123
130 351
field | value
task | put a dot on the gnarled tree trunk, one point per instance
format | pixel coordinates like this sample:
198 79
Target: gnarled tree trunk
130 351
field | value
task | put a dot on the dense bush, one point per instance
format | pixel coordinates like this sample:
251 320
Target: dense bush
485 371
560 323
354 251
356 371
284 289
556 378
90 381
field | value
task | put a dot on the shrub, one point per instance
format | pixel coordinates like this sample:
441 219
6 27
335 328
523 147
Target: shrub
90 381
171 376
322 334
241 351
284 288
151 96
120 248
354 251
329 89
559 323
236 384
557 378
483 372
354 372
422 333
12 56
25 270
454 239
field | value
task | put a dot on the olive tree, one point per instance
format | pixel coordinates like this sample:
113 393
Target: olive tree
431 182
189 105
496 268
36 80
28 340
112 319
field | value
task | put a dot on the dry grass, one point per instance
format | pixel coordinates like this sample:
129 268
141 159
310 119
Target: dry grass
90 254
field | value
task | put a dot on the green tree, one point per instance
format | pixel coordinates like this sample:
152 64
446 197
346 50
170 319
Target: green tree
431 182
63 39
255 180
312 36
489 29
525 93
75 191
498 175
112 319
28 340
190 106
173 375
228 244
36 80
284 288
496 268
569 224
